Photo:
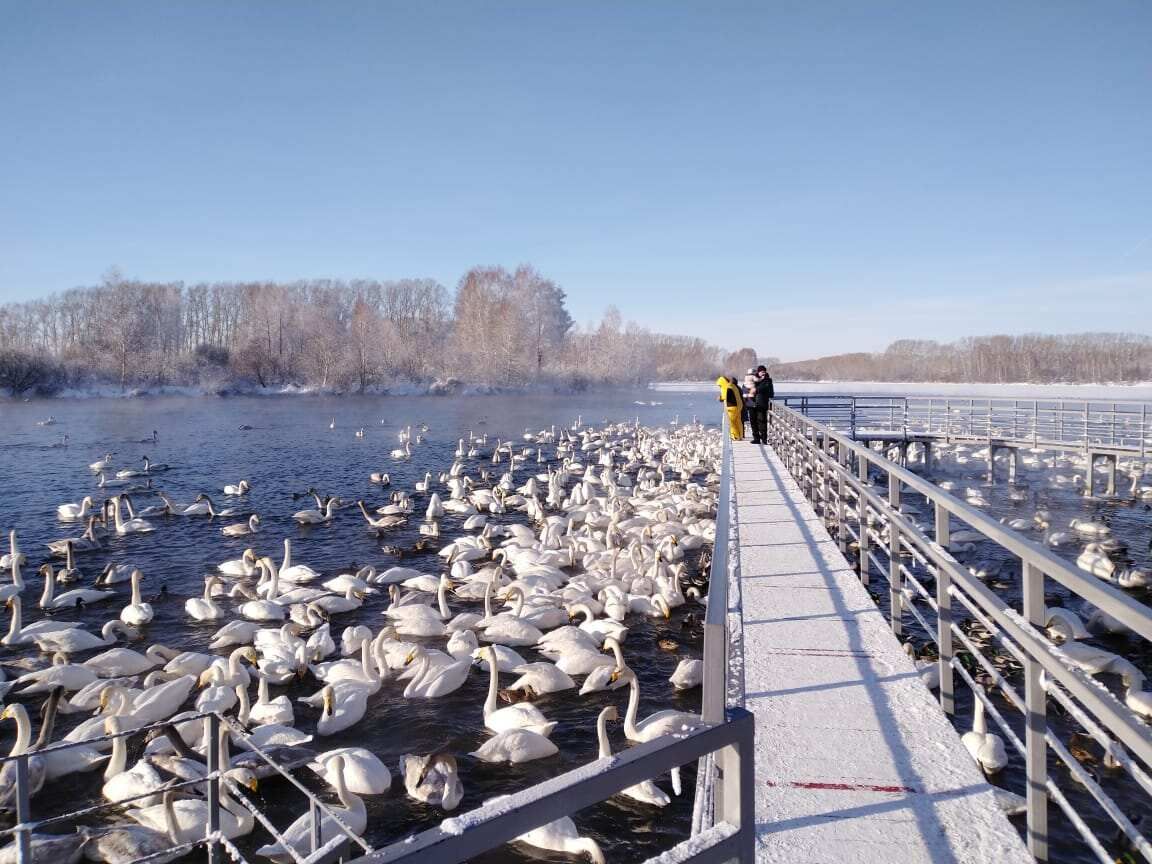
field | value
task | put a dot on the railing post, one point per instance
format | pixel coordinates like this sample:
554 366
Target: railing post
841 505
23 811
314 825
895 582
1143 430
213 747
746 752
944 613
862 517
1035 703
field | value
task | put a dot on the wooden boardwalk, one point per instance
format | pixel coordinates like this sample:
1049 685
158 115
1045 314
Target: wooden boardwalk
855 761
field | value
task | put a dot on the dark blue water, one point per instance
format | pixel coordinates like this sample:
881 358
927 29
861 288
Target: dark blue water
288 450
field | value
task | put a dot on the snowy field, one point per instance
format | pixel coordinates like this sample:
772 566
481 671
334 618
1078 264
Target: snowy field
1118 392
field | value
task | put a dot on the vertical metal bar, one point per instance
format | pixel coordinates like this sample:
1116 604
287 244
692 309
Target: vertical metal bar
1035 704
862 519
895 581
894 491
215 855
841 506
944 613
1113 424
314 824
23 811
1035 420
1143 429
746 753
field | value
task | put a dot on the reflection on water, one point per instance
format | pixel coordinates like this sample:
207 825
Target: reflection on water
288 449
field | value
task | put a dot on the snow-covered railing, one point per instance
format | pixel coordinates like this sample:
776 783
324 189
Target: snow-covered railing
24 833
859 492
462 837
1123 427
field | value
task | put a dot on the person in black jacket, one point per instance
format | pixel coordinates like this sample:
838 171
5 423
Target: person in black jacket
761 402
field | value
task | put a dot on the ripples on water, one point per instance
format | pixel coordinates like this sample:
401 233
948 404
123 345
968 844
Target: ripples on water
289 449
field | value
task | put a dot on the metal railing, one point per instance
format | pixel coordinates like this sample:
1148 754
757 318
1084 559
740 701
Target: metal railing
213 841
1123 427
860 493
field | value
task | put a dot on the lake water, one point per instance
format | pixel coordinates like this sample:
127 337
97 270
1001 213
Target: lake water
289 449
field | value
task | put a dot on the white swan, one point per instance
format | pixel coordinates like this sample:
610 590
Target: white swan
74 640
123 662
541 678
987 748
364 773
342 708
432 680
433 779
18 634
246 565
242 529
290 572
75 512
402 452
270 711
129 526
521 715
120 782
240 488
560 835
70 676
22 744
137 612
646 792
317 517
190 817
657 725
515 746
928 670
689 673
298 836
205 608
50 600
605 676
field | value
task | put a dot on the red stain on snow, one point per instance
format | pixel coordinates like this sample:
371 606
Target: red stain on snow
842 787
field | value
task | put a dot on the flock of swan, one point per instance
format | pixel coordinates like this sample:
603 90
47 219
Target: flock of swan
557 556
1100 553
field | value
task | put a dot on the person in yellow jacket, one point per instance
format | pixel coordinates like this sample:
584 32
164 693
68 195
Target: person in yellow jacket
733 404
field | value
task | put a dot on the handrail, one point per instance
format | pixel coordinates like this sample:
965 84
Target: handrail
835 472
502 820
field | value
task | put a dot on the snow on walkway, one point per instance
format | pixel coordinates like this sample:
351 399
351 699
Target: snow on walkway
855 761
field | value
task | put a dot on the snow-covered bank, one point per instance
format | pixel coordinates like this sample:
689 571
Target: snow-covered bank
1141 392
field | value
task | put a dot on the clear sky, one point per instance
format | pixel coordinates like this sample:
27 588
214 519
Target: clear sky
802 177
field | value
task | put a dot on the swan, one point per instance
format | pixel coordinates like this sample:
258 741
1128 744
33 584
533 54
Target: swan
646 792
342 709
689 674
228 671
655 606
137 612
404 452
928 670
432 680
559 835
507 660
53 849
317 517
129 526
1064 624
1135 696
297 838
70 676
23 744
123 662
74 639
521 715
242 529
125 844
1095 561
101 464
603 677
14 556
363 772
18 634
541 678
246 565
120 782
75 512
269 711
290 572
657 725
18 584
987 748
334 605
202 506
190 817
89 541
234 633
205 608
1088 528
515 746
240 488
432 779
159 701
50 600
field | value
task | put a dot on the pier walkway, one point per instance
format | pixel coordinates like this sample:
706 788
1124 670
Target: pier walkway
855 761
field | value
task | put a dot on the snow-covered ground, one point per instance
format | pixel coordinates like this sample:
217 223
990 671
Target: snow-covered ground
1138 392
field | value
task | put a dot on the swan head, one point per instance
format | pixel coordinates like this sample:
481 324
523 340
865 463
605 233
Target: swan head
610 713
243 777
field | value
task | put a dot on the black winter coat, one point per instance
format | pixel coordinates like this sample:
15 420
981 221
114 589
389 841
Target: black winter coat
764 392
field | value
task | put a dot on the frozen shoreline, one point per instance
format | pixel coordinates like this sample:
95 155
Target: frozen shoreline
1141 392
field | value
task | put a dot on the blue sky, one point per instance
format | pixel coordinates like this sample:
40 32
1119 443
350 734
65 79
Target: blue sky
802 177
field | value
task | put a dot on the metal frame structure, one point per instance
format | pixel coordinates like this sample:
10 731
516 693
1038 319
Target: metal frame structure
1107 427
859 492
723 748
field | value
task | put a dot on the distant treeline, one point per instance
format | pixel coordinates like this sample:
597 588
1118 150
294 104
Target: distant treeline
1031 358
498 328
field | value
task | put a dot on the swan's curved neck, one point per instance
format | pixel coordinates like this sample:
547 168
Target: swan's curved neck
116 513
119 762
23 729
170 824
979 724
633 707
16 623
245 705
615 646
287 554
442 600
49 594
602 735
493 682
135 587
